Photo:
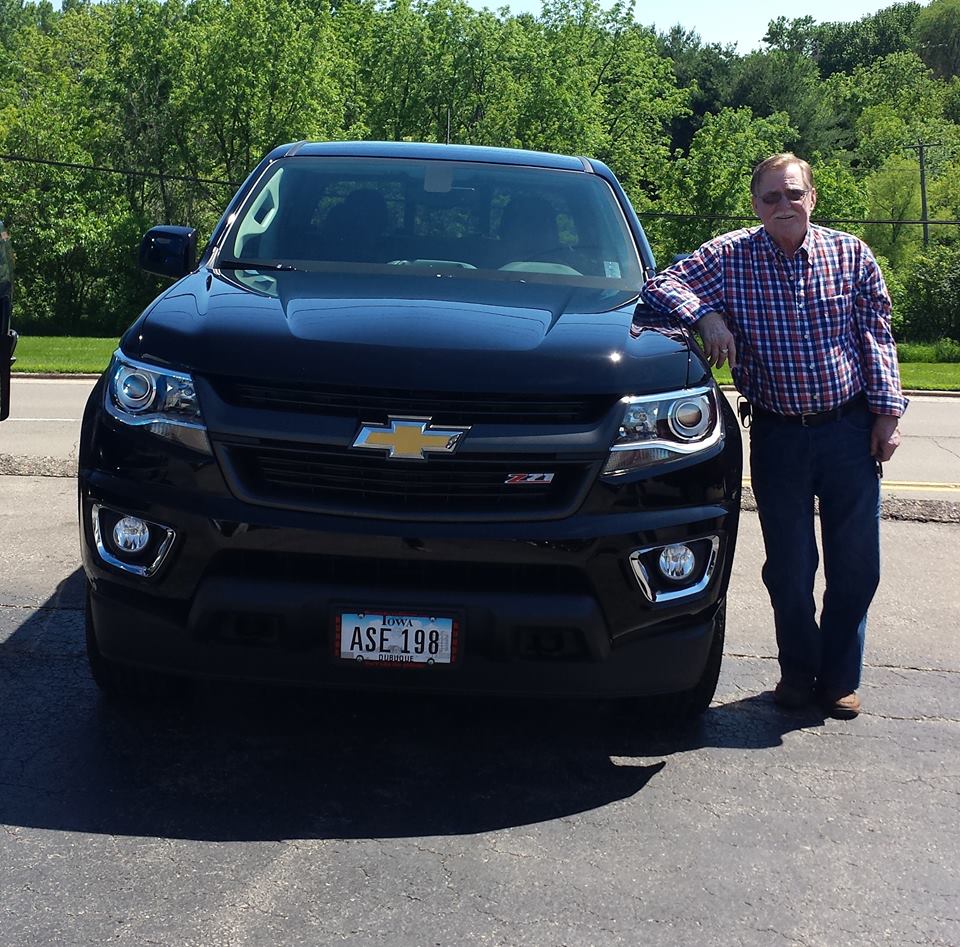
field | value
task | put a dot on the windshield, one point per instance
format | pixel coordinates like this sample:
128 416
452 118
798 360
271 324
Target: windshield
464 219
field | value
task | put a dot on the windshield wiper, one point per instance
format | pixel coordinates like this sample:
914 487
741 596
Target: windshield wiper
253 265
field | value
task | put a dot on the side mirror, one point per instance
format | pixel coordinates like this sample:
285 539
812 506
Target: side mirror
169 251
8 338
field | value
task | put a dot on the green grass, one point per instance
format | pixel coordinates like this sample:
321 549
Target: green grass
915 376
64 355
930 376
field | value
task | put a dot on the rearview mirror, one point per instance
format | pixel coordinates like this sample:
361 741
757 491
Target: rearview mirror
169 251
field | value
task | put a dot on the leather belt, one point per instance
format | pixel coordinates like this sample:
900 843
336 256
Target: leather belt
813 420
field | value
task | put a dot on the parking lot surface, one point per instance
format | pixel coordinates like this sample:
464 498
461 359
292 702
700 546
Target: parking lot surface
249 816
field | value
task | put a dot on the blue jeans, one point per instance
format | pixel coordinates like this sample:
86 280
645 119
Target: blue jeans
789 465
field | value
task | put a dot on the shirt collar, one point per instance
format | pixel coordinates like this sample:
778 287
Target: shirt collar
807 247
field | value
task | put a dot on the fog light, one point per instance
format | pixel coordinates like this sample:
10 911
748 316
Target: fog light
675 571
131 535
677 562
129 543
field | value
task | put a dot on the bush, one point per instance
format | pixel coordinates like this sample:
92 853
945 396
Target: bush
915 352
930 301
947 350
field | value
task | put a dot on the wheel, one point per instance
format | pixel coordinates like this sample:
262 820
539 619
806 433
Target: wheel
686 705
695 701
121 681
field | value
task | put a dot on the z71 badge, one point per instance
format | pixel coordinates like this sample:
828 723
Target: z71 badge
530 478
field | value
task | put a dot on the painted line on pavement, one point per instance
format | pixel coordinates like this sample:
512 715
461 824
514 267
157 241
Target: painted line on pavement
908 486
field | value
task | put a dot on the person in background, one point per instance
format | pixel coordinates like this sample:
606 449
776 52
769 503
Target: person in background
802 314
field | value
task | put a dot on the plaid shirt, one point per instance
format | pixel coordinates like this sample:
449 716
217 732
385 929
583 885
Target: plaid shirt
811 332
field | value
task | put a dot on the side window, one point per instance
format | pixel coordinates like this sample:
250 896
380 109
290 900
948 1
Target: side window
258 219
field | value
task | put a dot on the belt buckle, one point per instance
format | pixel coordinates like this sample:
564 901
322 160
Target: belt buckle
804 419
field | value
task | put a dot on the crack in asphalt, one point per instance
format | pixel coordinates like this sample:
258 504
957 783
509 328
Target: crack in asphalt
867 664
943 447
787 937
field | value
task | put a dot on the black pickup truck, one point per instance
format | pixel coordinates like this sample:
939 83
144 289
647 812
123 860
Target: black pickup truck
406 426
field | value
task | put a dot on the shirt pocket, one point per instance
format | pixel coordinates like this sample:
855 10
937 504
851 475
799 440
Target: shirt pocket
835 314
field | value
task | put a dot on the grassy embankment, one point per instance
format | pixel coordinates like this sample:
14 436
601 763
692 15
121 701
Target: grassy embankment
60 354
919 367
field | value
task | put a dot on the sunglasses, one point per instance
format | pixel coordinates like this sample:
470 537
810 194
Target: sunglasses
792 194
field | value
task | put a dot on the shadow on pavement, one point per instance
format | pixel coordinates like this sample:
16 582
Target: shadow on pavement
252 763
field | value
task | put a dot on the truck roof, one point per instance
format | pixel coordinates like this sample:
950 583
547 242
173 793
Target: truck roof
434 151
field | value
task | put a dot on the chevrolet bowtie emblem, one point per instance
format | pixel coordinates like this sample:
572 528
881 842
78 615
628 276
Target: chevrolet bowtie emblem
410 438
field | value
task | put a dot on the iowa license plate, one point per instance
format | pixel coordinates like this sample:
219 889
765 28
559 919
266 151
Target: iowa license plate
400 638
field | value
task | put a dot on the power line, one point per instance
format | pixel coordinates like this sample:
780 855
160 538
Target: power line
126 171
662 215
659 215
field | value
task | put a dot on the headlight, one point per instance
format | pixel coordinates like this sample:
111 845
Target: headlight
659 428
161 401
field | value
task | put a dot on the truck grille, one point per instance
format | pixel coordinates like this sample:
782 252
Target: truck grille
336 480
443 407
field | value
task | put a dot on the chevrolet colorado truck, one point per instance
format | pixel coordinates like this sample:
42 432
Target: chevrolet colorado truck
404 424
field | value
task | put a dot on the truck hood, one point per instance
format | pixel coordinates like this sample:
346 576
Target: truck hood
426 332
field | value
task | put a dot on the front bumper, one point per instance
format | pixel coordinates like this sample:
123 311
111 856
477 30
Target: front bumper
555 609
493 662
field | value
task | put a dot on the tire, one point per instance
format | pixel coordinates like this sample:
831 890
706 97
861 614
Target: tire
123 682
695 701
687 705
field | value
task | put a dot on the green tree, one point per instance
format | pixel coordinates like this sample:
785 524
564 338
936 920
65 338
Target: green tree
788 82
841 47
931 283
841 196
251 82
705 70
936 37
713 180
65 220
799 36
143 126
890 106
894 194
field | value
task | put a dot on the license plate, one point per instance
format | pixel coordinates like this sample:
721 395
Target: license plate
396 638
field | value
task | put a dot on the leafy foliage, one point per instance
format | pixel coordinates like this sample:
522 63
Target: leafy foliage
708 182
932 287
189 95
936 37
842 47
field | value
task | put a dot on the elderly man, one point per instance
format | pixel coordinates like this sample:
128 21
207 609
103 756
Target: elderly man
803 317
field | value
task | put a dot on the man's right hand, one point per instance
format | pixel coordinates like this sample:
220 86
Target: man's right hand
718 344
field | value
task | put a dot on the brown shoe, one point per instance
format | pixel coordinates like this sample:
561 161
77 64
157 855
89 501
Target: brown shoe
792 696
842 707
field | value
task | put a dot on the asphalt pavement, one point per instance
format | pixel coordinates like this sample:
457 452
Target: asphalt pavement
246 816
